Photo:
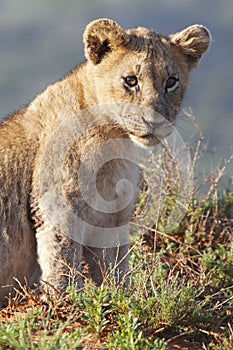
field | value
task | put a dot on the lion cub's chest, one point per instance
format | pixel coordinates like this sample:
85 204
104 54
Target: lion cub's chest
107 183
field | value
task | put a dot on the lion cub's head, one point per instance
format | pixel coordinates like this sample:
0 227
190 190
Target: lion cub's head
139 67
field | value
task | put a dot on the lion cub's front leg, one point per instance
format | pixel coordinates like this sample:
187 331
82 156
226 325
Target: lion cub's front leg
60 260
103 263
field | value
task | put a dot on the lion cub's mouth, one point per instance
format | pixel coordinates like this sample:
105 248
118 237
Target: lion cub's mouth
147 140
147 136
149 132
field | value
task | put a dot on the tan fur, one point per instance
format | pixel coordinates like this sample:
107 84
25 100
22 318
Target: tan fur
31 247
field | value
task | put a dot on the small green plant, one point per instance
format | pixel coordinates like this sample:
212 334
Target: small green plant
97 307
129 335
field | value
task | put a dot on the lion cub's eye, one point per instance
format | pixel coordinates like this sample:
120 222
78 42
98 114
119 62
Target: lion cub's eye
131 81
171 84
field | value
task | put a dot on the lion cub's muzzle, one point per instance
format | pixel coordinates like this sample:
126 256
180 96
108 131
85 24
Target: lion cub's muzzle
150 128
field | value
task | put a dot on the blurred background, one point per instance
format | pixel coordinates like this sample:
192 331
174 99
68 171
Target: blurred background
41 41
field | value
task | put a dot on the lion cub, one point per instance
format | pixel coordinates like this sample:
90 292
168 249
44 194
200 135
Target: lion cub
52 219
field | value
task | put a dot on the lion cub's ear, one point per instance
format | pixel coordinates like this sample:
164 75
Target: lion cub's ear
102 36
193 41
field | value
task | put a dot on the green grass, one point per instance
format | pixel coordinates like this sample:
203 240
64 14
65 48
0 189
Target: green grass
181 288
33 332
